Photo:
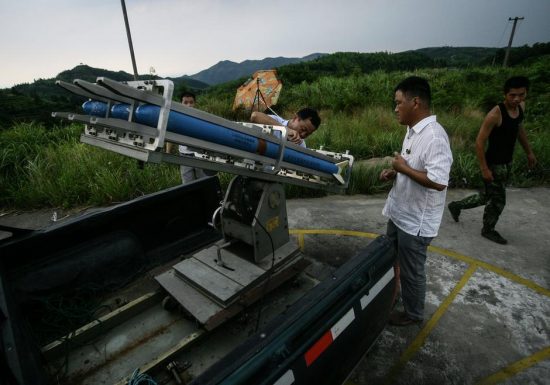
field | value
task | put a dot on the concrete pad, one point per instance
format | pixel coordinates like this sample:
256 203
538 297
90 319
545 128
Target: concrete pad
490 325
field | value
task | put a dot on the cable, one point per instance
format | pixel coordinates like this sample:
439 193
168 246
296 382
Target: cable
269 274
141 378
274 113
499 41
503 32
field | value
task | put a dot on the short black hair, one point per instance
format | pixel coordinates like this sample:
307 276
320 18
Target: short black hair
516 82
415 86
188 94
310 113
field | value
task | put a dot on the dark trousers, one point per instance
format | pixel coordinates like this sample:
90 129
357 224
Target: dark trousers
411 256
493 197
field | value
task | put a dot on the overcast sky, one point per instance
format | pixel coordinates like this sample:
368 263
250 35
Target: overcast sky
40 38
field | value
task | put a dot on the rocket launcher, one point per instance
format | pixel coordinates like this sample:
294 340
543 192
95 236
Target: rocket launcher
137 118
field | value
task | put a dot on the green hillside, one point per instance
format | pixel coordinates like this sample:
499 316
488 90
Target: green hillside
35 101
48 167
315 78
347 82
473 56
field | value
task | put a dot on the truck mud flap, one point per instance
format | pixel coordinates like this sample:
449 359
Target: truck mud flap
320 338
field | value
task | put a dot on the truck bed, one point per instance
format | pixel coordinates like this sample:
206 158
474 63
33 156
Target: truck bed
82 305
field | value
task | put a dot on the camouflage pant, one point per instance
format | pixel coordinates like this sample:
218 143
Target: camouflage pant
493 197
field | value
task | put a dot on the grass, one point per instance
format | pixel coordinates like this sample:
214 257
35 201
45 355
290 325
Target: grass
368 133
42 167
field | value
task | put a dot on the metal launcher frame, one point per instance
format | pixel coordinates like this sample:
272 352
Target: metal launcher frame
137 118
128 136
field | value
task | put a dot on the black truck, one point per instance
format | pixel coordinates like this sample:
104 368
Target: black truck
79 304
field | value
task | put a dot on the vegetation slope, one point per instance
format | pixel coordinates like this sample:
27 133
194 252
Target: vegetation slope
47 166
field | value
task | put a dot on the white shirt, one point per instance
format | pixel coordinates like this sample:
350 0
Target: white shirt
284 122
415 209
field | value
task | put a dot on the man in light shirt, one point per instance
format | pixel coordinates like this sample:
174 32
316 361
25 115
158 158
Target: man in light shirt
189 174
416 201
303 124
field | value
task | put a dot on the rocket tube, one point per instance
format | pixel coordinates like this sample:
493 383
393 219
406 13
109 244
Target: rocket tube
99 109
120 111
197 128
200 129
95 108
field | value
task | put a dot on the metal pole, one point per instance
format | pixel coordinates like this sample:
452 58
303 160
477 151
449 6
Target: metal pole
130 39
511 38
141 164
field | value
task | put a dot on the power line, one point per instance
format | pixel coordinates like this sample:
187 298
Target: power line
499 41
503 32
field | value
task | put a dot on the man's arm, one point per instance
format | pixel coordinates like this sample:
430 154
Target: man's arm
492 120
261 118
421 177
522 138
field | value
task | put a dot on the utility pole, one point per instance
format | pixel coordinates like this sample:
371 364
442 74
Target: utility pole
511 38
130 39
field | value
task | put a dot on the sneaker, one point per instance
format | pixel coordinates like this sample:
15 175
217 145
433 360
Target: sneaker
455 211
400 318
494 236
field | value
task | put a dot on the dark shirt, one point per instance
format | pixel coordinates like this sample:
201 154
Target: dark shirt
502 139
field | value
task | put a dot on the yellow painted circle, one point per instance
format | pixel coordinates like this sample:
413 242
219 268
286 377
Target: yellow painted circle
438 250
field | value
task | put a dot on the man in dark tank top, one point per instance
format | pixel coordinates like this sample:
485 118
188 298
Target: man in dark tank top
501 128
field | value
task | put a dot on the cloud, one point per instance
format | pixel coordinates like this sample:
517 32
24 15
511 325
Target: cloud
41 38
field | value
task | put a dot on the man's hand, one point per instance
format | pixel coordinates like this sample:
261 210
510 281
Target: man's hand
399 163
487 175
293 136
387 174
531 160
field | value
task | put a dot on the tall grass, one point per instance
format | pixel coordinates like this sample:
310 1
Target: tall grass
367 133
42 167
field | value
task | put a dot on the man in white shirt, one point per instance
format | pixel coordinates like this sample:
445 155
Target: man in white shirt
303 124
416 201
189 174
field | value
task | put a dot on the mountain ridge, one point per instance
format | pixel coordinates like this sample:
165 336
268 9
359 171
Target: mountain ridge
227 70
